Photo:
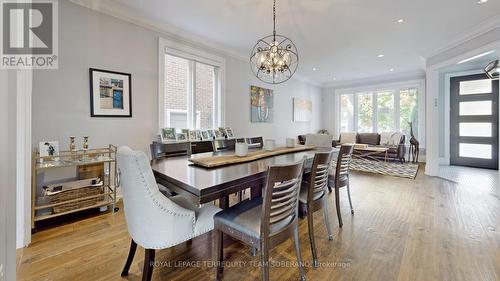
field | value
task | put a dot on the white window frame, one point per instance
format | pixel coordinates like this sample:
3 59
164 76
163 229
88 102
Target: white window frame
193 54
374 90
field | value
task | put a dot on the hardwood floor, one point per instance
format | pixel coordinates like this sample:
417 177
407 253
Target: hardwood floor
423 229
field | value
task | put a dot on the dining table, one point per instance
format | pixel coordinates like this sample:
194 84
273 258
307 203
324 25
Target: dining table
202 185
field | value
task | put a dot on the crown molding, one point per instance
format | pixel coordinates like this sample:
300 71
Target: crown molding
128 15
173 33
381 79
467 35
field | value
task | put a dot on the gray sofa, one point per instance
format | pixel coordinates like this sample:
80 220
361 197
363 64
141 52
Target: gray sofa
396 152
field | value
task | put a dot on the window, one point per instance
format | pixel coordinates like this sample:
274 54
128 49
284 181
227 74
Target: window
384 110
347 113
408 111
365 113
191 84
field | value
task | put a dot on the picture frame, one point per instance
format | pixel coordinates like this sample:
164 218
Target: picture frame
198 135
168 135
204 135
218 135
229 133
192 135
110 93
222 131
48 148
182 137
211 134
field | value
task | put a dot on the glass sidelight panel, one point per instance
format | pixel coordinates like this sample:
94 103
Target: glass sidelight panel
468 108
472 150
474 87
470 129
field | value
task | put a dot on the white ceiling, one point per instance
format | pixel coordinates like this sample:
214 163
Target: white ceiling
340 38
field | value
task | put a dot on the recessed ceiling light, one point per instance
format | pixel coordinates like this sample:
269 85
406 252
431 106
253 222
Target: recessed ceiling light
391 70
479 2
381 56
401 20
334 78
314 68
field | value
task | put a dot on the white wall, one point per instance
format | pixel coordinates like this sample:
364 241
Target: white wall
8 175
91 39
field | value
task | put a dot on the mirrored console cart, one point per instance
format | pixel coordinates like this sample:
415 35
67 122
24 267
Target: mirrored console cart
93 187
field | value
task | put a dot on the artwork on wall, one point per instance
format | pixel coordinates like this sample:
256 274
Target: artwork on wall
261 104
302 110
110 93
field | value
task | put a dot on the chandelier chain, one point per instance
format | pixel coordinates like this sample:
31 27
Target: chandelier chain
274 18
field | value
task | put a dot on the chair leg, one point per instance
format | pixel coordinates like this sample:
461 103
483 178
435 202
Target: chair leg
329 188
130 258
149 260
297 251
310 225
349 197
219 252
327 218
264 259
337 205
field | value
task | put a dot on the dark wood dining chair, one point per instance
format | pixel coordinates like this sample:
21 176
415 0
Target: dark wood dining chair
339 177
201 147
255 142
313 196
266 222
224 144
160 150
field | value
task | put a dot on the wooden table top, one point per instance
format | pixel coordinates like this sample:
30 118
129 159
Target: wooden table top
206 182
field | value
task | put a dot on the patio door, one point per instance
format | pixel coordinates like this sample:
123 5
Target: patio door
474 121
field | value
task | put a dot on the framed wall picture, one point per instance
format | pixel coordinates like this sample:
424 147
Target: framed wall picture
110 93
302 110
261 104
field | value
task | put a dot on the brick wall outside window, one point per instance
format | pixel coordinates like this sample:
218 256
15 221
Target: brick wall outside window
176 89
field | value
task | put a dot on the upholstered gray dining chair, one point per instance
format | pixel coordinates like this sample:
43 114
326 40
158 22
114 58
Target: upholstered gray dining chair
313 196
267 222
154 221
319 140
339 177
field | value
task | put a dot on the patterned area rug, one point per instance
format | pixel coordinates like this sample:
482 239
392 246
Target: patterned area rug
396 169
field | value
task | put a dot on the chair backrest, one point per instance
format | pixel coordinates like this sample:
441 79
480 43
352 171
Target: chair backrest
319 175
319 140
343 162
225 144
255 142
201 147
160 150
281 195
302 139
148 213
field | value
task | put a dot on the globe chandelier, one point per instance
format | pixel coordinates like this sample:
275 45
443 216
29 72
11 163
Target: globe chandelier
274 58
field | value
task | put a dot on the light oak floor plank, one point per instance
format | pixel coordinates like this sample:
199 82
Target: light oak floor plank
422 229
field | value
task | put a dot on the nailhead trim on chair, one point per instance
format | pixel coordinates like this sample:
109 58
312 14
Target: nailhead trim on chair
163 208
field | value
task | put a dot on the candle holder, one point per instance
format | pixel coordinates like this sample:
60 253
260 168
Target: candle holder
85 148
